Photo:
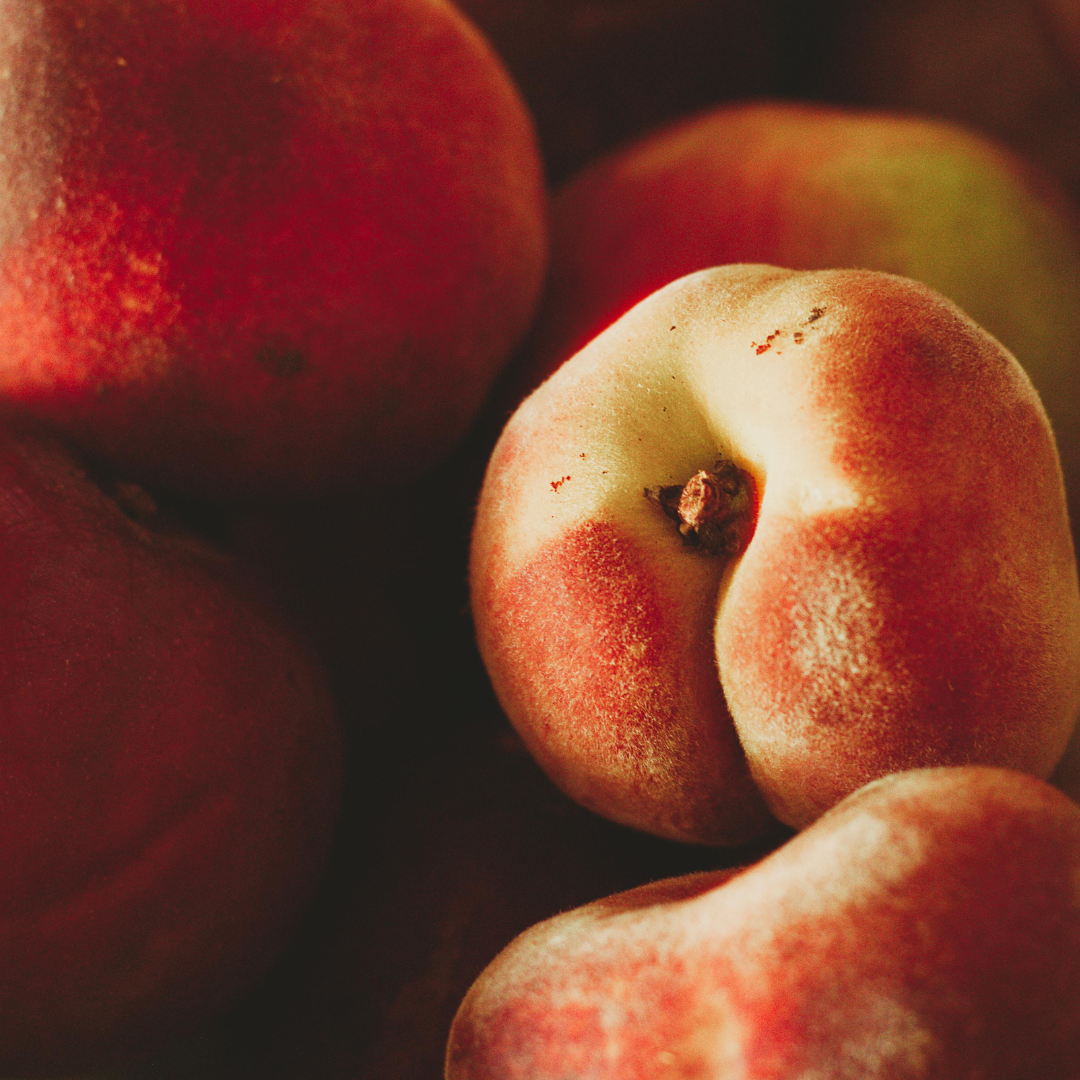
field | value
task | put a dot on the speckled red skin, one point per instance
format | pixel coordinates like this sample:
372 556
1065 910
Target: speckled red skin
253 247
170 766
927 929
908 597
813 187
587 640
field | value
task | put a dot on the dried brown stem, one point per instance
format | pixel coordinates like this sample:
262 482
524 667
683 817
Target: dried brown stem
713 509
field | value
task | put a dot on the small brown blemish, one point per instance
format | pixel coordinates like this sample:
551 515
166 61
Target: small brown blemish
556 484
798 337
815 314
282 361
767 344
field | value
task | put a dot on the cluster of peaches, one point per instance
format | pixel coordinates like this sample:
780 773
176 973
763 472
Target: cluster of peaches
772 555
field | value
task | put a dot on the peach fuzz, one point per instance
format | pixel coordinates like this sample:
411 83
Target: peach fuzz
170 769
812 187
927 927
261 248
908 595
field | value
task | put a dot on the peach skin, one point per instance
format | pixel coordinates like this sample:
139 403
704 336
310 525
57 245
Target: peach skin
171 769
926 928
261 249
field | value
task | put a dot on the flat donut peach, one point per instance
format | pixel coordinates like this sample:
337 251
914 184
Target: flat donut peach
895 586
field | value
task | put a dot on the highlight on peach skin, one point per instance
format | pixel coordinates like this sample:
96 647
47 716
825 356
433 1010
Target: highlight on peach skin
928 926
769 537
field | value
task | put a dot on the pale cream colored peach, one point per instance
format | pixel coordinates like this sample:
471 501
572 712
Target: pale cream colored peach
908 598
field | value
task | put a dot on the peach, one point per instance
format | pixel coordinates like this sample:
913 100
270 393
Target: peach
261 248
927 927
810 187
855 557
171 765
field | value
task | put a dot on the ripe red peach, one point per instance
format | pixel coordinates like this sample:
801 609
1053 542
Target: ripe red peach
771 536
810 187
927 927
261 248
171 765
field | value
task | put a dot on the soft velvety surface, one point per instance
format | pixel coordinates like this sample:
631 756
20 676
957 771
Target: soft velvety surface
261 247
924 929
170 765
